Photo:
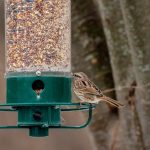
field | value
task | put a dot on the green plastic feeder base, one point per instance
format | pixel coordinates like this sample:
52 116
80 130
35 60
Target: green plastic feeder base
38 132
31 89
38 89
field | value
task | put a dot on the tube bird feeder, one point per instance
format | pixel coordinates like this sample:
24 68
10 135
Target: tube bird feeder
38 64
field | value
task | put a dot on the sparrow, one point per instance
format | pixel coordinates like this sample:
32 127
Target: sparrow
88 92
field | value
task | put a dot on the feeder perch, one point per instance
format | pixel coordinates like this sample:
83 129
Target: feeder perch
38 65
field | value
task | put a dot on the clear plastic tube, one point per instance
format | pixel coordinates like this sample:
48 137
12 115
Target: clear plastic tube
38 35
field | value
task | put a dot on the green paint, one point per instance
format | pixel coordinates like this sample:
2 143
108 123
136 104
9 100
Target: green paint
57 89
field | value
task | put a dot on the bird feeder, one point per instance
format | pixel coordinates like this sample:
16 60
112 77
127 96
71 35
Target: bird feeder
38 64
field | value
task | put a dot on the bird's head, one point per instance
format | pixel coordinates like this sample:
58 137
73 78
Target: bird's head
79 75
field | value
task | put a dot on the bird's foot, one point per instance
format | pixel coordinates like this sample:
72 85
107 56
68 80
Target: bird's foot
80 104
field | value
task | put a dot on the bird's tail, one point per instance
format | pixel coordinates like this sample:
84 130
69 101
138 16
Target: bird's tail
111 101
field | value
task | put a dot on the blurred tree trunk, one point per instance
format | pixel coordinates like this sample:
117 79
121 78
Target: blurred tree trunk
127 25
90 55
137 23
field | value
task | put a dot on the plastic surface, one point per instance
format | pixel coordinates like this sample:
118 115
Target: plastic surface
38 35
29 116
57 89
31 89
38 132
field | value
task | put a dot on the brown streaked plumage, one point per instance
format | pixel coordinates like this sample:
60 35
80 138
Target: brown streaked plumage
88 92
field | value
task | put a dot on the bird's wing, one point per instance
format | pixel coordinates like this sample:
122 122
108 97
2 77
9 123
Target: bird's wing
88 87
89 90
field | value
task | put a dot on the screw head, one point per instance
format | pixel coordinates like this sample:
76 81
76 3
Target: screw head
37 116
38 73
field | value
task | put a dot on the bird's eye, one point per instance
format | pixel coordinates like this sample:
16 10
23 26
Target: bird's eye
77 75
84 83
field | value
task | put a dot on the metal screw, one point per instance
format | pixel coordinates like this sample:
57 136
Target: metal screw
38 73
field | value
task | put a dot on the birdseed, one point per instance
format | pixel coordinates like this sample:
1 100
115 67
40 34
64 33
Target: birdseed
37 35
